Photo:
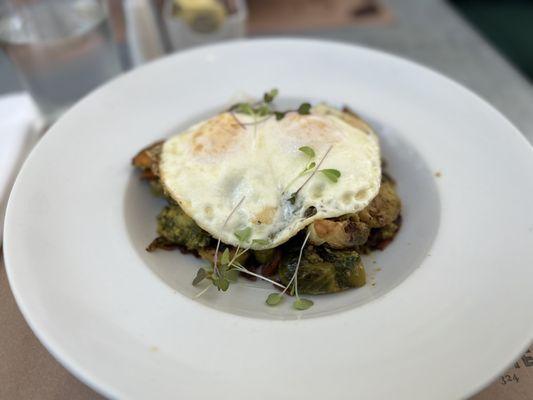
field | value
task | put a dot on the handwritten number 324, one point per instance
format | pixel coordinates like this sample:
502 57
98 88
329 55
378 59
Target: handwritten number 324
505 379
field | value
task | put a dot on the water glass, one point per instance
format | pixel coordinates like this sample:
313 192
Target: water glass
62 49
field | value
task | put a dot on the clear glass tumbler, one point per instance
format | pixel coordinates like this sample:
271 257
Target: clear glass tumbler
62 49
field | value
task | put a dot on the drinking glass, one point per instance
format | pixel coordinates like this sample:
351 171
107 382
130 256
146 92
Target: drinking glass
62 49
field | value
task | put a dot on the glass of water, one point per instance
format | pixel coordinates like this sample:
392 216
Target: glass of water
62 49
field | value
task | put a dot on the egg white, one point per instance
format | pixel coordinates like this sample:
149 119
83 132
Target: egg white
211 167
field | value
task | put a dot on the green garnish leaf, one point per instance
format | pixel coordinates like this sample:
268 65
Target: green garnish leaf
223 283
279 115
308 151
261 242
274 299
263 110
332 174
302 304
268 97
222 269
200 276
310 166
304 109
232 275
224 260
244 108
244 234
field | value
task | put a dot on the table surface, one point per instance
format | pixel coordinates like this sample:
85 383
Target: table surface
429 32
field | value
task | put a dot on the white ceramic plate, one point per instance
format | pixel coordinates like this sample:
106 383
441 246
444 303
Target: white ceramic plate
451 306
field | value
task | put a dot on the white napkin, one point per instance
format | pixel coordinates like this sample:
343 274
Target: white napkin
17 136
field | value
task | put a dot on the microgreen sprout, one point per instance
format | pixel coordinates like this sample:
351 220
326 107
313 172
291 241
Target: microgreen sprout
227 269
228 272
259 109
224 260
308 151
279 115
200 276
304 109
237 120
269 97
292 198
245 108
274 299
215 267
332 174
243 234
264 109
240 268
300 303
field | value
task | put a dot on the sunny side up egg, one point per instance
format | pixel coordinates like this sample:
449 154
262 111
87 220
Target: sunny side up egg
249 169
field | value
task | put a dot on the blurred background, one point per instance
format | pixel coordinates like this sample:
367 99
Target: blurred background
507 25
59 50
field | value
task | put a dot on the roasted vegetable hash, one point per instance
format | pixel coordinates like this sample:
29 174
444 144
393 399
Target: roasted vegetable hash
331 260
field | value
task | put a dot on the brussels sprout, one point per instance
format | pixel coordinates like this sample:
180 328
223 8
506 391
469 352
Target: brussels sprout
381 237
323 270
148 159
384 208
352 231
177 227
341 233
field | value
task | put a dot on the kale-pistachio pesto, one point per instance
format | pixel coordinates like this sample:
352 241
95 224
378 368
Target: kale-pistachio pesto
323 270
177 227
